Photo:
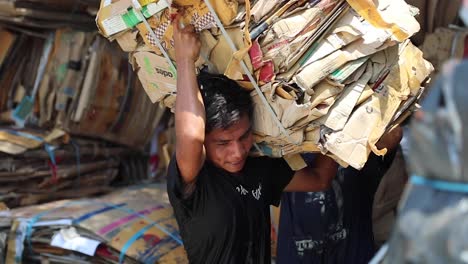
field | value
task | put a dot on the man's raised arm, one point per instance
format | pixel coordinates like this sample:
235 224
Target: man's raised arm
189 107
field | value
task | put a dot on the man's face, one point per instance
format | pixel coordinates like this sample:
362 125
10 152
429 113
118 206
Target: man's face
228 148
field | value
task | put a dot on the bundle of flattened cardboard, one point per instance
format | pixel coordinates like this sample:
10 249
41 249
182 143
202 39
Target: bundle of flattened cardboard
55 169
131 225
328 76
73 118
77 82
35 15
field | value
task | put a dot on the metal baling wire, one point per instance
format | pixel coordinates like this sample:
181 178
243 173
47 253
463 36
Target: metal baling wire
247 72
136 7
234 49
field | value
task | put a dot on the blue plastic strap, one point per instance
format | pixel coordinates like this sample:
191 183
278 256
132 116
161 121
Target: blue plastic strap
140 233
23 110
50 151
99 211
440 185
132 240
23 134
36 218
127 245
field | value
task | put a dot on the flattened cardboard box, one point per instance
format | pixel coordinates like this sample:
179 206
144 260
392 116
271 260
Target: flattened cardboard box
156 75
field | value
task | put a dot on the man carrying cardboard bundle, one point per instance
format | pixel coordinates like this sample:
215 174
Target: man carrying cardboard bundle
221 197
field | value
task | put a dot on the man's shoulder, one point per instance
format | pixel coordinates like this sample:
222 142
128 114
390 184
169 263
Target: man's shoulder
176 185
173 168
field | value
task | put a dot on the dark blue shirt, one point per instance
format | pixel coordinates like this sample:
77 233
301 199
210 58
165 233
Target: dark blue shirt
333 226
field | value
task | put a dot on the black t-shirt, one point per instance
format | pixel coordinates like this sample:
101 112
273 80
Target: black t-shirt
226 219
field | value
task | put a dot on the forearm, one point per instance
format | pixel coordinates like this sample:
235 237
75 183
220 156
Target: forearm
189 107
189 121
391 139
314 179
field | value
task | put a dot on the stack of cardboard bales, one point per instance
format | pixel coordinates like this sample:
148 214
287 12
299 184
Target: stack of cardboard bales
78 82
74 123
77 120
328 76
131 225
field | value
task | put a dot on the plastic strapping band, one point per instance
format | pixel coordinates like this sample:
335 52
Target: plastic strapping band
97 212
23 134
151 32
48 148
440 185
36 218
135 237
50 151
258 148
247 72
142 231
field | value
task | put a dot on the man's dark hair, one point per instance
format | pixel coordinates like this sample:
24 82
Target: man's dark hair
225 101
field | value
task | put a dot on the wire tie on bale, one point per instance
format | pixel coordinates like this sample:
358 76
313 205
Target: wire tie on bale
247 72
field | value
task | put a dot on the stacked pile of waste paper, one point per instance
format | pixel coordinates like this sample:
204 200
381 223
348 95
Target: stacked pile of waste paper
57 170
76 81
131 225
74 120
328 76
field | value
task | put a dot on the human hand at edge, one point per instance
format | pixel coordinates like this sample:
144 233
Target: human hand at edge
186 42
